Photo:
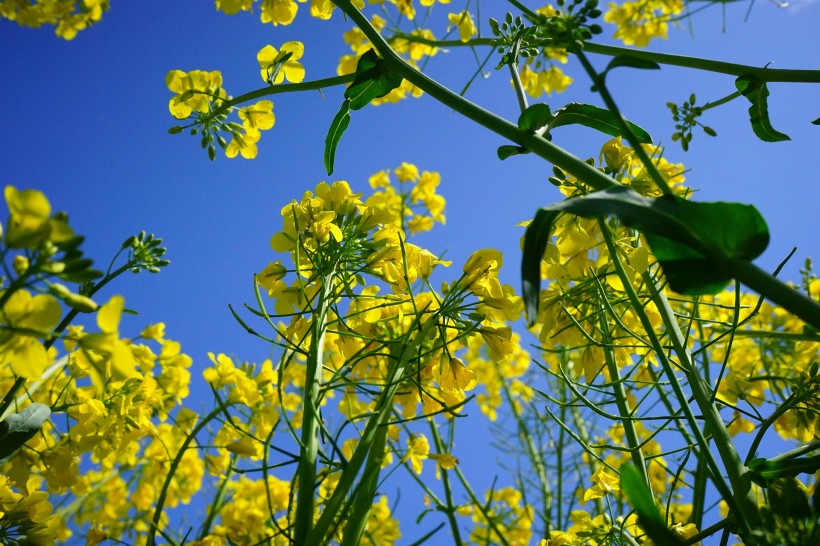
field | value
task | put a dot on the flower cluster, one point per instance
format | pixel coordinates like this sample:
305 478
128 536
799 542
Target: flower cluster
68 16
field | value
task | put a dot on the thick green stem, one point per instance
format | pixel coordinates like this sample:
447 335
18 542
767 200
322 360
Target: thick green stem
305 499
536 144
737 472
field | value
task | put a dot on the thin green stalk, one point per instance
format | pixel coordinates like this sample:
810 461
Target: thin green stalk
600 85
738 474
660 352
450 508
720 67
163 493
621 401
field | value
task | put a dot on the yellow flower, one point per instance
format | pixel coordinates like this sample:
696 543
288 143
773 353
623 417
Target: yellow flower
34 317
418 449
278 12
604 484
194 91
244 145
275 70
465 24
30 220
119 360
454 375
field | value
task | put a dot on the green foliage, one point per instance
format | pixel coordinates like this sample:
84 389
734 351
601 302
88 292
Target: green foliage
19 428
693 242
373 80
756 91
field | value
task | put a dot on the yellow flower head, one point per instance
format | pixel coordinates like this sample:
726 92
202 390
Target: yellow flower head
276 66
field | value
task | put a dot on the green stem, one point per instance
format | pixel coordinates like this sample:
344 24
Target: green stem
600 85
660 352
737 472
309 450
615 382
450 508
536 144
156 519
732 69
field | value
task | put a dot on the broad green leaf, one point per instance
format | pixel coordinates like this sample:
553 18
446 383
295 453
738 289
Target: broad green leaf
596 118
373 80
19 428
508 150
756 91
534 117
649 516
692 241
337 128
764 471
632 62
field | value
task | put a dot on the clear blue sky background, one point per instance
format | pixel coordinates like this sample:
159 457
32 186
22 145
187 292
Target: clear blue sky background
86 122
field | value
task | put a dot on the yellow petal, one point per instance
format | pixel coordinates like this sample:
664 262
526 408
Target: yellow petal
108 316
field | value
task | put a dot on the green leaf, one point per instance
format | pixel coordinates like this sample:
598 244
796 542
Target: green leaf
506 151
334 134
693 242
536 238
632 483
632 62
596 118
19 428
534 117
816 122
756 91
373 80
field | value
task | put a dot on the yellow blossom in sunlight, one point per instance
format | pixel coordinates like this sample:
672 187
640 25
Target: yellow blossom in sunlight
232 7
119 362
552 80
30 222
465 24
291 69
278 12
27 317
638 22
418 449
244 144
194 91
154 331
257 117
444 461
605 483
454 375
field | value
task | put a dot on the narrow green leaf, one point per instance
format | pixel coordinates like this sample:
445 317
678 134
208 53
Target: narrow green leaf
534 117
596 118
508 150
632 62
536 238
648 514
19 428
373 80
756 91
334 134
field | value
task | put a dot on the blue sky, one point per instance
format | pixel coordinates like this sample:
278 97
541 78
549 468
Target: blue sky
86 122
